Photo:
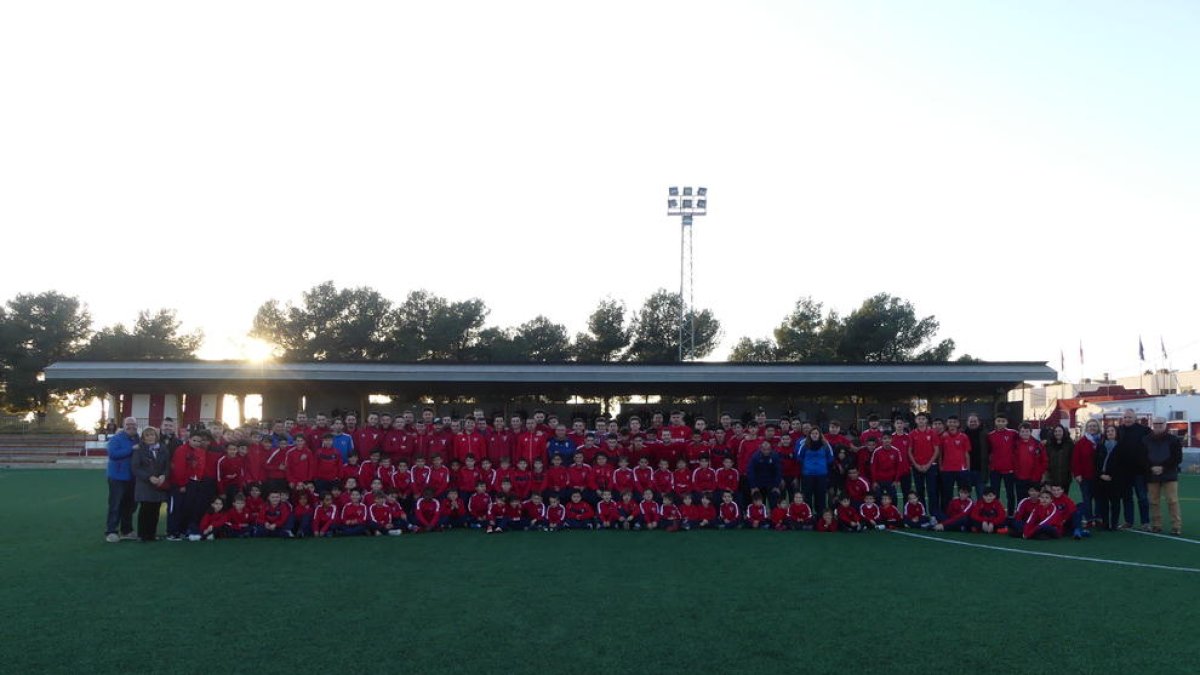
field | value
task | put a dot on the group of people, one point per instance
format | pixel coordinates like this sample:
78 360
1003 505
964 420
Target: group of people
400 474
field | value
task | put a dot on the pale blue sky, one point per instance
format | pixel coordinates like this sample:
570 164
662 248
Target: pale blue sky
1013 168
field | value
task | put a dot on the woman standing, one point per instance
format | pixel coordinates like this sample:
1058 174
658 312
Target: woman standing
1058 456
1083 467
151 464
815 457
1109 487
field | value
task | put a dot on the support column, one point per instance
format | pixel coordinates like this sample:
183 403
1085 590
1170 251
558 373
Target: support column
241 407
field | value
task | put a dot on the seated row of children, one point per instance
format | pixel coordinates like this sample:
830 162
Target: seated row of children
1045 513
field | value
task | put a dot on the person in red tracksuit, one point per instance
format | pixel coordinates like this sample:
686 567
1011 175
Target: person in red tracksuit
352 518
255 462
923 454
298 465
556 514
557 478
729 514
1031 461
1016 524
848 519
580 514
1002 457
890 516
857 488
497 512
325 517
670 515
327 466
915 514
468 477
533 512
643 475
887 467
213 522
663 481
238 521
648 511
871 513
1043 520
276 518
707 481
958 512
988 515
799 514
479 506
439 477
522 481
379 516
608 512
757 517
623 480
779 516
454 511
429 513
579 478
231 474
681 478
826 523
629 510
187 496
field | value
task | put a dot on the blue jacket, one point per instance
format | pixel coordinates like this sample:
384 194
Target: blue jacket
764 471
814 461
120 450
344 444
565 447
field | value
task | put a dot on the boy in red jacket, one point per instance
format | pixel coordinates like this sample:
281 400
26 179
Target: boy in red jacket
872 515
302 515
681 478
1031 461
629 510
238 522
757 517
704 515
325 517
213 522
779 516
988 515
643 475
454 510
352 518
706 480
276 518
1016 524
231 475
1043 520
671 516
497 514
556 514
379 517
663 479
1002 457
298 465
557 478
857 487
848 519
799 514
479 506
580 514
579 478
887 466
429 513
1070 517
533 512
608 512
890 516
827 523
648 512
958 513
729 514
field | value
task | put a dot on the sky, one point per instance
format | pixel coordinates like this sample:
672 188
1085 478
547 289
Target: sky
1026 172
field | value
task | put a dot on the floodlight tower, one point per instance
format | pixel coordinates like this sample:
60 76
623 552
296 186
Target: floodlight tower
686 205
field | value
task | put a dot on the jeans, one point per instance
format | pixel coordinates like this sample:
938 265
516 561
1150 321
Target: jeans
815 488
1170 490
1009 482
926 485
978 483
1087 503
948 482
1137 488
120 506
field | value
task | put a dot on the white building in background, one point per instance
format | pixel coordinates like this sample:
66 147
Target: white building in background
1182 412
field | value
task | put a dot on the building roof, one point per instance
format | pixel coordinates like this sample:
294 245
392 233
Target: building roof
231 376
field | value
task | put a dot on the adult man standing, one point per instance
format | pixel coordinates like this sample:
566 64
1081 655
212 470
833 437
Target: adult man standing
1164 454
1131 466
977 435
765 474
120 483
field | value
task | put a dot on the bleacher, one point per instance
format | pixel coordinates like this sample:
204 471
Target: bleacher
50 451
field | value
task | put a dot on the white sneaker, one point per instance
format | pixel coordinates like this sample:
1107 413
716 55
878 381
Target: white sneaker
112 538
395 533
129 537
193 537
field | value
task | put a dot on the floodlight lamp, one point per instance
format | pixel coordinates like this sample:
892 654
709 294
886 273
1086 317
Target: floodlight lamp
701 203
687 203
672 203
674 192
687 192
701 191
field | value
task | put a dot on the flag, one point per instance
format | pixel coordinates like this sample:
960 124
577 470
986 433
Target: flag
1062 361
1141 350
1164 347
1081 352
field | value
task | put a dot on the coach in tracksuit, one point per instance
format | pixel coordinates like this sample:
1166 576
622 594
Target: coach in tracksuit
765 474
120 482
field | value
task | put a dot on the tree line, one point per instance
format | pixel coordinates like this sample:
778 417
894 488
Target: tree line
361 324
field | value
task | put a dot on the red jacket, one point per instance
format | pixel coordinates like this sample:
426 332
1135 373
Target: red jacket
353 514
830 526
1031 460
239 521
1025 508
454 509
664 481
956 452
579 476
914 511
847 515
479 505
299 465
623 480
608 511
1042 515
556 514
557 478
580 510
367 439
327 464
469 443
439 479
924 445
395 443
214 520
648 509
681 480
467 478
255 464
629 509
1083 459
500 445
857 489
779 514
707 479
530 445
643 477
380 514
993 513
277 515
602 476
730 512
1002 450
230 473
324 518
1066 509
534 513
799 513
869 513
890 514
756 513
429 510
958 508
886 465
187 463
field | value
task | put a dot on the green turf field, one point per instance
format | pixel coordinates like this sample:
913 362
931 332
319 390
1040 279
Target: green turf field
583 602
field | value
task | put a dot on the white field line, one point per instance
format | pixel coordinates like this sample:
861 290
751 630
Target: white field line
1168 537
1106 561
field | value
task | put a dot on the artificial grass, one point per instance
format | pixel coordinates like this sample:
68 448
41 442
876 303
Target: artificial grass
578 601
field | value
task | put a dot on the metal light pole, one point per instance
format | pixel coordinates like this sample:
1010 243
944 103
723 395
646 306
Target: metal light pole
685 204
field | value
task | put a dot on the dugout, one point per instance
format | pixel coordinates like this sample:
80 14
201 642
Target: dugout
195 391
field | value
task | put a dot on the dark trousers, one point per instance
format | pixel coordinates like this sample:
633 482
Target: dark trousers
950 480
147 521
1009 483
926 485
1137 488
120 507
815 488
1087 499
185 510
